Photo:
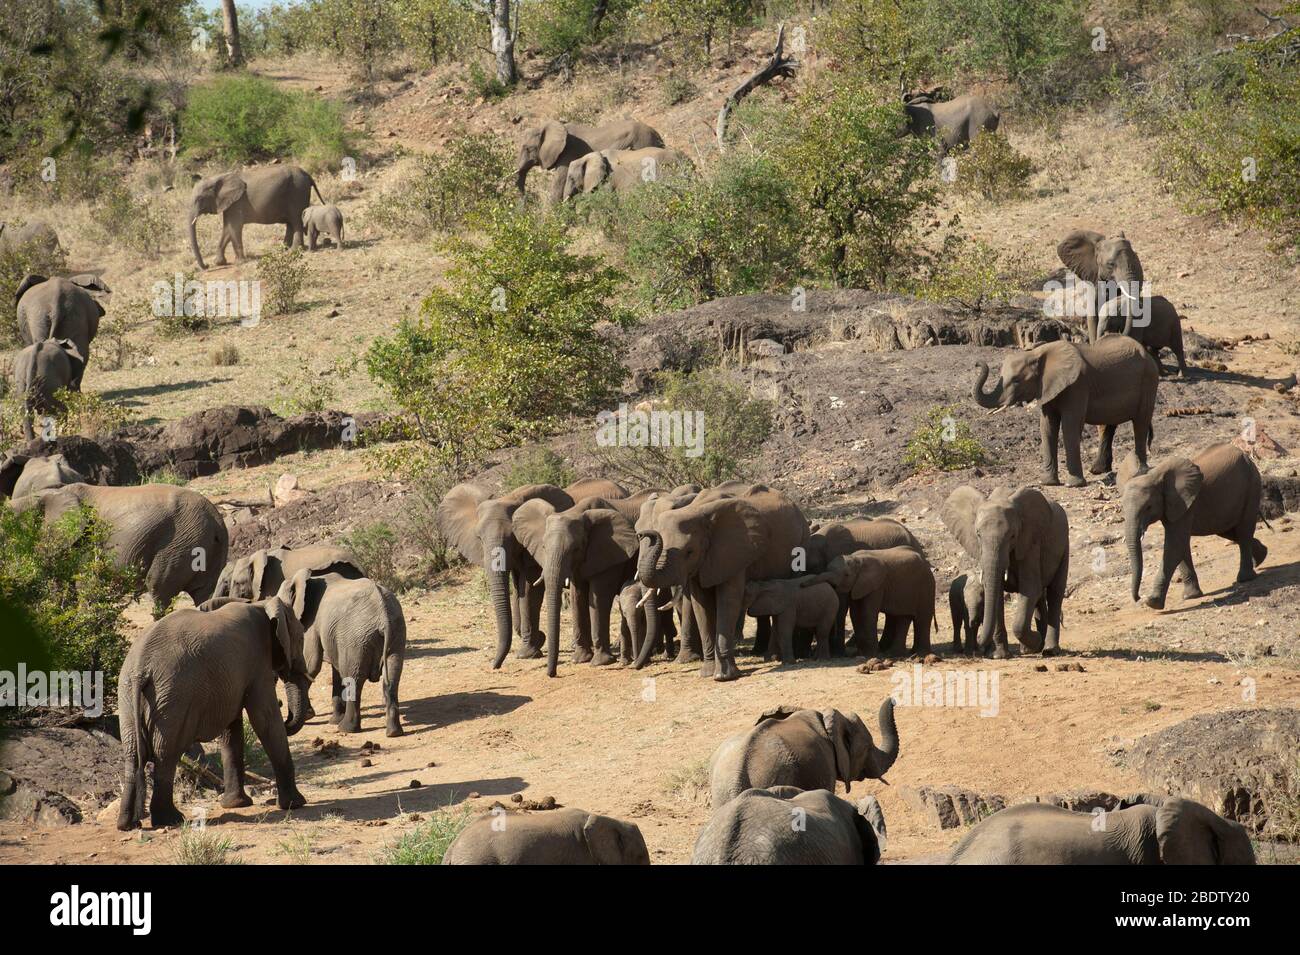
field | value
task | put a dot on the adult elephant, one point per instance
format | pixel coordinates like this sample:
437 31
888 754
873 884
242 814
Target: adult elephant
1106 383
261 573
266 196
622 169
60 308
712 546
40 371
36 235
954 123
21 474
1113 269
481 528
1216 492
174 535
691 649
756 828
1021 541
808 749
557 837
555 145
190 678
1175 832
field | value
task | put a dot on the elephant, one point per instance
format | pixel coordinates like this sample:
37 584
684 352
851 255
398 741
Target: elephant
481 528
896 581
60 308
622 169
1174 832
260 574
712 546
598 487
954 123
633 627
272 194
555 145
554 837
1021 541
358 628
808 749
323 220
792 607
690 649
1106 383
1163 329
190 678
42 369
1216 492
1113 269
782 825
174 535
21 474
966 603
591 546
36 234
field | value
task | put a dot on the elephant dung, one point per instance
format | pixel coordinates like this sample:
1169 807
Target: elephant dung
949 807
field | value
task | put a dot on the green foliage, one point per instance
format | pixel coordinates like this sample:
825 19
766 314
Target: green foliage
558 27
138 224
90 415
434 31
539 465
972 274
114 350
64 581
469 177
243 118
283 272
990 167
201 847
173 320
696 26
16 264
304 388
428 842
483 84
678 88
375 547
943 441
362 32
734 427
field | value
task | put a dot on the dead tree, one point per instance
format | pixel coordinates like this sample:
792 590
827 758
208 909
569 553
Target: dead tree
777 65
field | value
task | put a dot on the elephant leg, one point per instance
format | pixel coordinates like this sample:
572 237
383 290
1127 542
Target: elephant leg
312 234
264 715
162 805
729 615
1055 601
1049 429
601 604
690 650
706 621
1072 436
1026 605
1191 583
336 694
232 765
350 722
921 624
628 648
1176 550
392 677
581 615
784 626
1101 464
237 240
763 637
227 237
837 643
531 638
558 178
667 628
894 641
864 629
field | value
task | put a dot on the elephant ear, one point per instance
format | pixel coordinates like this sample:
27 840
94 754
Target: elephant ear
837 728
73 352
529 523
232 189
1128 469
604 839
596 171
1078 252
1190 834
457 518
286 641
958 515
736 539
869 821
294 593
90 282
1061 365
611 540
27 282
11 469
868 576
554 138
1182 482
222 587
258 560
777 713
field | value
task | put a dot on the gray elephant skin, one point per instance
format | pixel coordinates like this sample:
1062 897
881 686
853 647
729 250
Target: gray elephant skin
1162 328
42 370
37 234
21 474
60 308
1111 266
358 628
189 679
622 170
263 572
266 196
555 145
1176 832
691 649
966 605
794 610
1216 492
954 122
788 826
804 748
897 582
555 837
323 220
1106 383
636 602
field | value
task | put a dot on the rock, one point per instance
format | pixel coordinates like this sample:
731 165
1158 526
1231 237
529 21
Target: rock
39 807
286 490
951 806
765 348
56 776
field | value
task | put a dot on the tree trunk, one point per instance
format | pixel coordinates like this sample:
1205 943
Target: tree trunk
503 43
231 24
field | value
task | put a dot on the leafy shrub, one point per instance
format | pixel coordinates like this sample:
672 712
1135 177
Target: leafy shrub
137 224
429 841
164 476
943 442
90 415
567 26
972 274
731 426
113 349
678 88
63 580
375 547
539 465
428 485
484 85
696 26
304 389
16 264
283 272
172 320
447 188
990 167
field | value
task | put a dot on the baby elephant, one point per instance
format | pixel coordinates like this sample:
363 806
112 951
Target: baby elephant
809 749
357 627
42 369
190 678
794 608
897 581
21 474
1176 832
319 220
966 603
788 826
635 609
556 837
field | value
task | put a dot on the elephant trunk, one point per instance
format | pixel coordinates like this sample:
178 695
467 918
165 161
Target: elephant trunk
993 568
650 560
555 573
992 399
880 758
295 694
647 648
1133 541
499 589
521 175
194 239
1128 278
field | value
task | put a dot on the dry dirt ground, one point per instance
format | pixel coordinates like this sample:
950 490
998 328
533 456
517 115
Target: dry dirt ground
632 744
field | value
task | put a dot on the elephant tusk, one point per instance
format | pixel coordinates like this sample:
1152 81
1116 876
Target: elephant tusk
538 581
665 607
648 595
997 410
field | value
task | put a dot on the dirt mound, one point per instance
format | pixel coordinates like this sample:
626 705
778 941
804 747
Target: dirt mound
317 518
57 776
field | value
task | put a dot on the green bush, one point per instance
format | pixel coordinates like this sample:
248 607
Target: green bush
678 88
539 465
137 224
242 118
469 177
91 415
558 27
283 272
429 841
303 389
991 168
16 263
697 26
943 442
972 274
375 547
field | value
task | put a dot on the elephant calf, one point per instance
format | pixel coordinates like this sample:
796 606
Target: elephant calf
323 220
1163 329
966 604
40 371
897 581
1176 832
809 749
636 604
190 678
792 608
556 837
788 826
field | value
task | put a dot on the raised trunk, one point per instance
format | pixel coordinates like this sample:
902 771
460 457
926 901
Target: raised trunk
994 398
555 574
499 588
194 241
882 757
1133 540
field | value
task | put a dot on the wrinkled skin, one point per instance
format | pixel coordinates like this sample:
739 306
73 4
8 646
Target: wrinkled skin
37 235
191 678
1113 268
954 123
794 608
555 837
966 604
261 573
264 196
807 749
755 829
1162 328
897 582
58 309
1021 542
635 608
1216 492
323 220
691 648
40 371
713 546
175 535
622 170
1107 384
358 628
555 145
1174 832
21 474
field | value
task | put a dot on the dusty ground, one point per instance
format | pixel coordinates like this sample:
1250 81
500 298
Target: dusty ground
632 744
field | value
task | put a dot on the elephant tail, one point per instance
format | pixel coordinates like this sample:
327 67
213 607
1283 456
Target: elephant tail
316 189
130 814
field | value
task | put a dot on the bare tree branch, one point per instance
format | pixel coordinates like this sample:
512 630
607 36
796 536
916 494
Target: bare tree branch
777 65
